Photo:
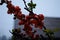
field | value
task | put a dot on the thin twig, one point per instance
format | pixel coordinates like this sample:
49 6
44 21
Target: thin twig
31 6
44 27
25 3
26 8
47 33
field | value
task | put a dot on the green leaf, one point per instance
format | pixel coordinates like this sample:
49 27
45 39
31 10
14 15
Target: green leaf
56 29
29 4
49 31
52 31
34 4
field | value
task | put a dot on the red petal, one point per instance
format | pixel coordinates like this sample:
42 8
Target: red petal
27 27
41 16
27 17
17 8
21 22
37 36
34 21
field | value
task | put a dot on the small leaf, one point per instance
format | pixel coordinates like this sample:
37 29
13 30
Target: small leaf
34 4
49 31
56 29
29 4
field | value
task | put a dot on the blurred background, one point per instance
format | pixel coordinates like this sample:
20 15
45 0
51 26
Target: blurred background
50 9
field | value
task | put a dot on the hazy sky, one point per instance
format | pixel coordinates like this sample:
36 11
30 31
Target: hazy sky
50 8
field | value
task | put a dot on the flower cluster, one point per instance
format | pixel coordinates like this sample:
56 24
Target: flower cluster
26 20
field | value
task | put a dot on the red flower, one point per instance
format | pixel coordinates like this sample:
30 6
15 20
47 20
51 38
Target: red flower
10 8
9 4
41 17
23 16
17 8
9 12
37 36
29 33
36 25
34 21
27 27
21 22
35 16
41 24
40 27
19 15
27 17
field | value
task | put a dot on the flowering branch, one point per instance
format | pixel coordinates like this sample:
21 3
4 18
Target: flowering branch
26 20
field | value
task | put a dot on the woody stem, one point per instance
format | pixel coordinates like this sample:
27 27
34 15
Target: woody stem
26 8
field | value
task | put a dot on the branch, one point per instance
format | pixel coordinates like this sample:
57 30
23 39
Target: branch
25 3
44 27
26 8
2 1
31 6
47 33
